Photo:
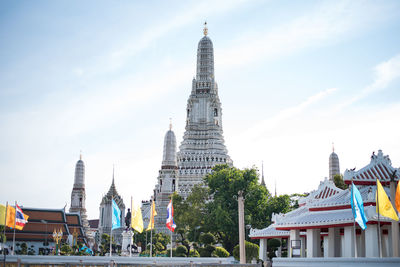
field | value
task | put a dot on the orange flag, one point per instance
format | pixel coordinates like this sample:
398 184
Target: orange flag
397 198
10 219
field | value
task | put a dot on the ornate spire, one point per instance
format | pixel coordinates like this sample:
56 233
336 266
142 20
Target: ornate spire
205 61
79 181
333 147
169 153
80 155
170 124
262 174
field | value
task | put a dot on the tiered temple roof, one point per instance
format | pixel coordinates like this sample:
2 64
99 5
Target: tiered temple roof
330 206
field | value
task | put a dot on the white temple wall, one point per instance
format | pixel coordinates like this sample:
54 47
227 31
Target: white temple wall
371 241
349 242
263 249
294 235
313 243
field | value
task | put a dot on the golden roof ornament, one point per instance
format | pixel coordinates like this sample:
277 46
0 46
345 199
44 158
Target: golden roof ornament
205 30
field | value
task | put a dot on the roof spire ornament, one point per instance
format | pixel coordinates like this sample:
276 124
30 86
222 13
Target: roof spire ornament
262 174
205 30
80 154
333 147
170 124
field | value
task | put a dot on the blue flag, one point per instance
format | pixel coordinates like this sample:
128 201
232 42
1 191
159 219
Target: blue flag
357 207
116 215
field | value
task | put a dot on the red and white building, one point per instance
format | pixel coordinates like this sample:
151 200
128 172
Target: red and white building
323 224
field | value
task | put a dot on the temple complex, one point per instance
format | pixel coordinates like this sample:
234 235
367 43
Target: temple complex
323 224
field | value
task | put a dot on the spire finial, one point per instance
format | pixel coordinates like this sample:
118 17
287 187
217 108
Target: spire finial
333 147
113 175
170 124
205 30
80 154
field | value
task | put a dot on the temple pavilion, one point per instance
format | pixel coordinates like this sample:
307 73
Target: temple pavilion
322 226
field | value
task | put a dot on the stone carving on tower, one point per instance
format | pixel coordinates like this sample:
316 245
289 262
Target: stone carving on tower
167 181
203 143
78 195
333 164
106 213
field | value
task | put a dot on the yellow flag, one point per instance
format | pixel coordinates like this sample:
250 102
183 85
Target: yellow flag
152 214
10 221
385 207
2 215
136 219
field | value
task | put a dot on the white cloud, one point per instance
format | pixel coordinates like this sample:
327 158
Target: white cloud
385 73
326 24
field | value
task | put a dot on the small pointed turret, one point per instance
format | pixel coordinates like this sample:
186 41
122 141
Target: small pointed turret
262 174
334 167
169 155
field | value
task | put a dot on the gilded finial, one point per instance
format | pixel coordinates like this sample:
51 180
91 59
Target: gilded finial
80 154
205 30
170 124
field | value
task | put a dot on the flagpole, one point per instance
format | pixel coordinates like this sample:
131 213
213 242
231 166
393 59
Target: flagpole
5 224
151 227
354 220
15 218
112 198
171 231
129 227
379 222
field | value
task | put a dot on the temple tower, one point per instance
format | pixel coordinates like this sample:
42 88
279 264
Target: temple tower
167 181
78 195
333 164
203 143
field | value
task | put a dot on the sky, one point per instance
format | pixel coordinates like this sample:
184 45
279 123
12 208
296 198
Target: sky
103 78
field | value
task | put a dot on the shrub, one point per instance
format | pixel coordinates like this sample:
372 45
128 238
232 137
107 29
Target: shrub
194 253
207 238
251 251
220 253
181 251
206 251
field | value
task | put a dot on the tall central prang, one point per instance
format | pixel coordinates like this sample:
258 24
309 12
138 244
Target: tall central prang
203 143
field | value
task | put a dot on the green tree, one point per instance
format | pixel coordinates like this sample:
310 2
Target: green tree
339 182
224 183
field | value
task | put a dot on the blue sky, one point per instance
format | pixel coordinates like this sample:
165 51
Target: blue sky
104 77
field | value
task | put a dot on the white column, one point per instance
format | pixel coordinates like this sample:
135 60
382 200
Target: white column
349 242
303 246
341 246
362 244
280 249
385 245
313 243
294 235
371 241
263 249
326 246
333 242
390 236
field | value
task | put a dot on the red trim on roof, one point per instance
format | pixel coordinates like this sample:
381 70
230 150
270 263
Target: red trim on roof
325 226
339 207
